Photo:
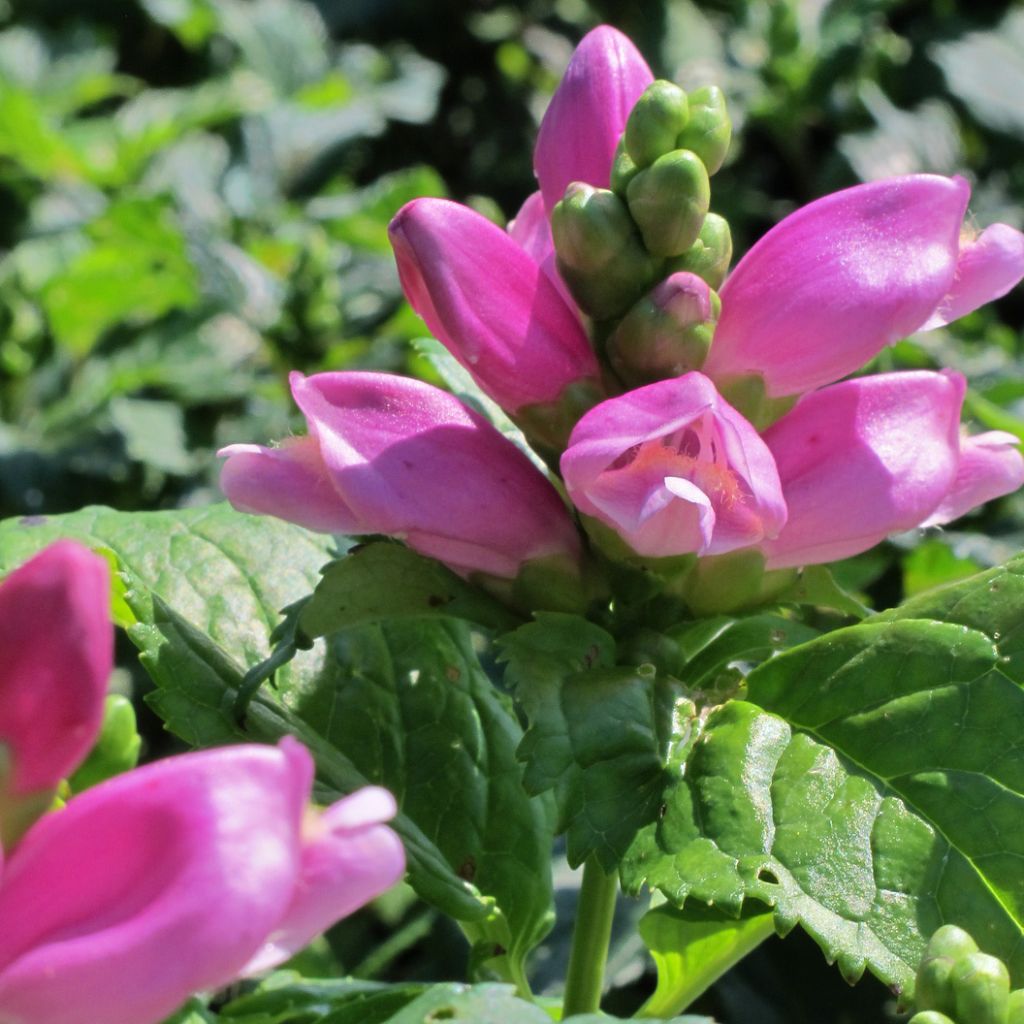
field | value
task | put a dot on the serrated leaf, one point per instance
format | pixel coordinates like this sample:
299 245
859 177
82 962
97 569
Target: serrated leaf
868 790
384 580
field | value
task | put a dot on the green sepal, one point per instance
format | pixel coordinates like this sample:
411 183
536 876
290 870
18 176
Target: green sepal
657 340
669 201
117 748
655 122
600 254
549 424
749 395
709 130
710 255
981 987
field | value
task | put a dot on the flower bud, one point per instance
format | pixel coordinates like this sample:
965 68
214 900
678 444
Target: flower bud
710 255
654 124
667 333
931 1017
933 990
951 941
709 130
1015 1007
624 170
600 255
669 201
981 986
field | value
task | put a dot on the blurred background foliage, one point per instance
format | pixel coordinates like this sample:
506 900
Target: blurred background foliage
194 197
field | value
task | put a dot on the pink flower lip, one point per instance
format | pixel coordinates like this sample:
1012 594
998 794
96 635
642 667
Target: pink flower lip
674 469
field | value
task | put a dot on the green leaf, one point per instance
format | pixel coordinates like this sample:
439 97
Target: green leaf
869 790
134 269
403 704
286 999
694 946
384 580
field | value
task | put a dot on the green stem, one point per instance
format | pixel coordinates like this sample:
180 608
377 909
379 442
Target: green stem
594 913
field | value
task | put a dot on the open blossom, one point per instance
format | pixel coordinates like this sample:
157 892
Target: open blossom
674 469
388 454
831 285
169 879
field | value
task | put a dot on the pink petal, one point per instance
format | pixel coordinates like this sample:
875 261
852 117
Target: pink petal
289 482
838 280
484 297
56 655
861 460
987 268
588 113
349 857
151 886
990 466
413 461
626 466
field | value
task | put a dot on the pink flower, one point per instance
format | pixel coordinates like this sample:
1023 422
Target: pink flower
674 469
388 454
56 655
588 113
178 877
495 300
826 289
864 459
489 302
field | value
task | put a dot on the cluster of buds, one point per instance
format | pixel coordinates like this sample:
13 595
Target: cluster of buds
957 984
699 420
652 224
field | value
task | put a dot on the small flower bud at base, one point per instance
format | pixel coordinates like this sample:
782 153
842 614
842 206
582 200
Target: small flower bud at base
667 333
709 130
930 1017
669 201
661 113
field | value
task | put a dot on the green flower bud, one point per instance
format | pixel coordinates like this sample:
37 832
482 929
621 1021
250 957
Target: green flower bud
669 201
667 333
931 1017
599 253
654 124
981 985
933 989
710 255
1015 1007
623 170
709 130
952 942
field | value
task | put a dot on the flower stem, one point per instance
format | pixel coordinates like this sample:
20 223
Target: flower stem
590 940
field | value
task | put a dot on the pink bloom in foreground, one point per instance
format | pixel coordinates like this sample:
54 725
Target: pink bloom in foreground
588 112
388 454
179 877
864 459
826 289
56 655
674 469
490 303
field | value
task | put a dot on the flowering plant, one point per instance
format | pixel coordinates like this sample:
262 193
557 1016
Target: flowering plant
624 499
